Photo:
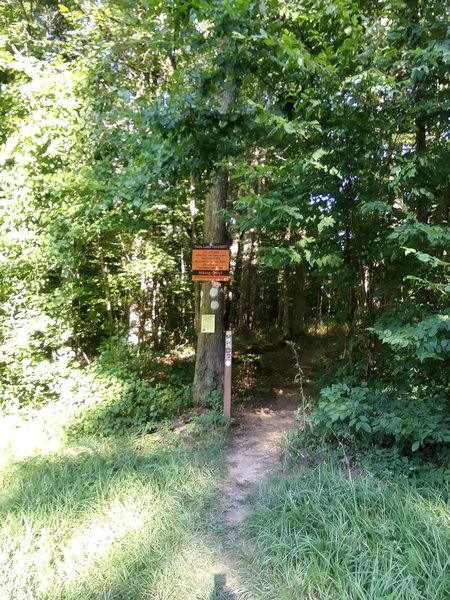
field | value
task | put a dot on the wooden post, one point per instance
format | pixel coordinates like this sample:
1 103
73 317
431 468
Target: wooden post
227 376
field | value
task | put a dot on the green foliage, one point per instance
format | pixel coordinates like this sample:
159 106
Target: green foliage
426 339
336 145
400 416
29 372
397 426
111 125
124 389
117 401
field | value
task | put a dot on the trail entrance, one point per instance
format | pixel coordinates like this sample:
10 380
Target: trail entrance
254 448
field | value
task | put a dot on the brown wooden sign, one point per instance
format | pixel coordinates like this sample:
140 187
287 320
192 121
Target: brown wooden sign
210 262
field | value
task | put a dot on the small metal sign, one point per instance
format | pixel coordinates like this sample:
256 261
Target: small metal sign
227 376
210 262
228 349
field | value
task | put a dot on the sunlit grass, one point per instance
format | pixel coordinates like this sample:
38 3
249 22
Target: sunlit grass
135 518
124 518
36 429
323 535
32 431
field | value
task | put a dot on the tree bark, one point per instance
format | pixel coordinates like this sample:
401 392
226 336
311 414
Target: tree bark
197 286
298 309
106 288
248 281
209 361
422 203
285 303
209 364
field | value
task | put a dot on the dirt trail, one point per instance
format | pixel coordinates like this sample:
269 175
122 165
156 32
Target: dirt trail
252 455
254 450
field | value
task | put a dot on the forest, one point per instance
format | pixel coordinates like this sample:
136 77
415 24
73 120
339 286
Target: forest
312 138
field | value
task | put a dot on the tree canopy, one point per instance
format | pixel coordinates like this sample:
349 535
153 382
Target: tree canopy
328 122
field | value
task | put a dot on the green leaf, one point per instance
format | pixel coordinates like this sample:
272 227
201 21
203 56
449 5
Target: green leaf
365 426
325 222
289 127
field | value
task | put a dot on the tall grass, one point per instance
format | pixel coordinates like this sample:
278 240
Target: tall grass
325 536
135 518
120 519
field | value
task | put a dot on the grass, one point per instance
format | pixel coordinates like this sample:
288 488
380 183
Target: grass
324 536
123 518
135 518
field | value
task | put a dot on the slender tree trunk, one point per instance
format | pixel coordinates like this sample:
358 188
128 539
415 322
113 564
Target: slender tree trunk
285 303
319 309
253 290
248 280
298 309
234 315
107 290
158 310
422 203
197 287
145 307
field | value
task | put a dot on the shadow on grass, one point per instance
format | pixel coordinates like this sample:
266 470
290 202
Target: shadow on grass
220 590
122 519
80 477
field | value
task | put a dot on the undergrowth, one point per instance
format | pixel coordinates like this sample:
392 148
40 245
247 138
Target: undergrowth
91 505
125 388
390 417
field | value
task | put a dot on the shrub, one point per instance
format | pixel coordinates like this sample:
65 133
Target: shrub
386 429
409 418
126 388
122 388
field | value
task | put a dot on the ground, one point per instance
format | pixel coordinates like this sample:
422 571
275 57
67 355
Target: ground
254 443
254 448
200 513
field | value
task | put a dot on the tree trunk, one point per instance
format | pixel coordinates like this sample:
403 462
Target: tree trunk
209 364
234 297
285 303
298 309
209 361
106 288
248 281
319 309
197 287
422 203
